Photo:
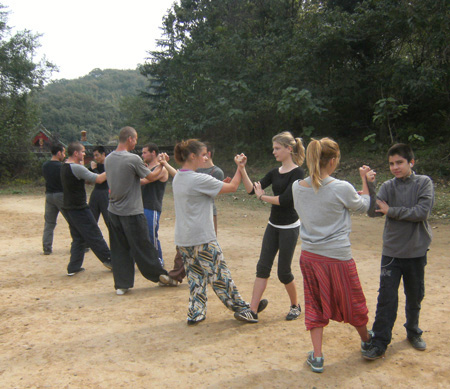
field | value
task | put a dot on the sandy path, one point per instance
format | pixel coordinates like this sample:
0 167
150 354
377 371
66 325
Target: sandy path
61 332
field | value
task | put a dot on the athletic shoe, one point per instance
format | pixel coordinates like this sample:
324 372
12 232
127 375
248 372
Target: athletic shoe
167 280
80 270
194 322
121 292
246 315
366 345
374 352
316 363
418 343
107 264
262 305
172 284
294 312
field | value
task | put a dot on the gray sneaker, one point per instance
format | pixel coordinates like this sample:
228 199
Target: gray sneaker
294 312
418 343
316 363
366 345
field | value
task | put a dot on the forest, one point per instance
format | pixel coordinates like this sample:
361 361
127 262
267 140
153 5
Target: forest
236 72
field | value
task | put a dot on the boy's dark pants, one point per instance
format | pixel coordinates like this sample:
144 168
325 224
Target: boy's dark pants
392 270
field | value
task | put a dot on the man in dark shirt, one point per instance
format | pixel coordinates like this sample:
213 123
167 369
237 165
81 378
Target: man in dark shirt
83 227
53 195
152 195
99 200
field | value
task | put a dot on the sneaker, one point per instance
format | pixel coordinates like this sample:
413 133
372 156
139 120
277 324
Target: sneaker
80 270
316 363
108 264
172 284
366 345
418 343
262 305
194 322
246 315
294 312
121 292
167 280
374 352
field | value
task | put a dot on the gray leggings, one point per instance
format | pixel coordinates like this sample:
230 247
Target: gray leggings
282 241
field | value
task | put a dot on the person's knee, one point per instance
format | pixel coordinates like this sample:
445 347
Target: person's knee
285 278
262 271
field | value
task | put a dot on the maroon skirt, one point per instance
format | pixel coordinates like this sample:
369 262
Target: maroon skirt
332 291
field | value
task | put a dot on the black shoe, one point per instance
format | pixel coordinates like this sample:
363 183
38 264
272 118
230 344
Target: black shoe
80 270
418 343
365 346
246 315
373 353
294 312
47 251
262 305
194 322
107 264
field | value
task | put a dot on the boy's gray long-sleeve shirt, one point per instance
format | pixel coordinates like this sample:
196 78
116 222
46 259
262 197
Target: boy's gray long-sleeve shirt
407 233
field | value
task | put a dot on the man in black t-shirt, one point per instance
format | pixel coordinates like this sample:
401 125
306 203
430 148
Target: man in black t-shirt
53 195
99 200
83 227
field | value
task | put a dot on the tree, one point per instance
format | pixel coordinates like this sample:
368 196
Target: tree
20 78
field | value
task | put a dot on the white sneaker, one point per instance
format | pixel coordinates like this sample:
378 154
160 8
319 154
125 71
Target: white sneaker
167 280
121 292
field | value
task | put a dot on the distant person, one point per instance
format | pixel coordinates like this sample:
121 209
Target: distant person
331 284
282 230
195 237
83 227
54 197
178 272
153 194
406 200
99 200
129 235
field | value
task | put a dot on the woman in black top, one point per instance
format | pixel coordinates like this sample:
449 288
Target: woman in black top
282 232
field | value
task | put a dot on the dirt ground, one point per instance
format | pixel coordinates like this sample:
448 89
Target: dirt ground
75 332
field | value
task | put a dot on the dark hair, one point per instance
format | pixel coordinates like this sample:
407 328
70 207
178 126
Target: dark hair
100 149
403 150
55 149
74 146
185 148
151 147
125 133
209 148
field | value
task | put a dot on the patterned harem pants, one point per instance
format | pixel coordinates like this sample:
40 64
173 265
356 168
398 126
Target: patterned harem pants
205 264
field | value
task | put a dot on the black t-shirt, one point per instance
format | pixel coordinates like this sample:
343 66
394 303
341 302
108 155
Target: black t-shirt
74 189
99 170
284 213
51 171
152 194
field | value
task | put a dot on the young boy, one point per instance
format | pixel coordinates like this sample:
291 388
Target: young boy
406 200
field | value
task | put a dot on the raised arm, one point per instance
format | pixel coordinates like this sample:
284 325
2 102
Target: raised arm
163 159
242 162
233 185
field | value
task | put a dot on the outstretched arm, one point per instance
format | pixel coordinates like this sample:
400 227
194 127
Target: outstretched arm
242 162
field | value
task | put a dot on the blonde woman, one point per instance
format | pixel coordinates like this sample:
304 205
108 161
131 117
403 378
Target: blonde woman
331 284
282 231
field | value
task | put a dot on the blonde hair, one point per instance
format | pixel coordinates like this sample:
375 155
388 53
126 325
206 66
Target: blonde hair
286 139
185 148
318 154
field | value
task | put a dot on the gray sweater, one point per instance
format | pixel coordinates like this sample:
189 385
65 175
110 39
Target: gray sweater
325 217
407 233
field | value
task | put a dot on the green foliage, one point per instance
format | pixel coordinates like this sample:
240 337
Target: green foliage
240 71
96 103
20 78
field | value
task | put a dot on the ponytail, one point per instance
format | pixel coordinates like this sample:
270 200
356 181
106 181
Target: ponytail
286 139
318 154
185 148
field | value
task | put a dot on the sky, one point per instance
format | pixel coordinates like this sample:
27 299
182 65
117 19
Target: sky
81 35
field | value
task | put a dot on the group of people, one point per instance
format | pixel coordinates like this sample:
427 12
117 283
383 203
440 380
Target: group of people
316 208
